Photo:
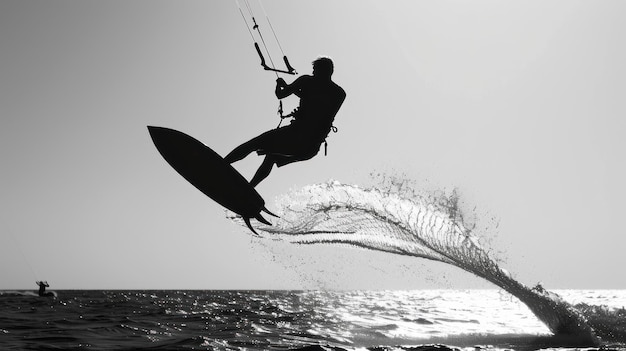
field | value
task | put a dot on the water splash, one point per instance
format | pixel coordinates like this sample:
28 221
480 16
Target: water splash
422 226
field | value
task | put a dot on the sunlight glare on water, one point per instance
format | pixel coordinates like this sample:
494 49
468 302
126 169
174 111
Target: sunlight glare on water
279 320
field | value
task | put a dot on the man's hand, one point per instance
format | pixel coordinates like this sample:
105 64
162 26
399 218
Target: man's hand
281 83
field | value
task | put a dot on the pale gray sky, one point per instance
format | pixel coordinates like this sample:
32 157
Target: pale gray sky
518 104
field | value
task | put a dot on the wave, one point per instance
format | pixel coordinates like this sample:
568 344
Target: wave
400 222
18 293
27 293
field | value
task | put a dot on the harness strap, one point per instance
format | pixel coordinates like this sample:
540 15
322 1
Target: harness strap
334 130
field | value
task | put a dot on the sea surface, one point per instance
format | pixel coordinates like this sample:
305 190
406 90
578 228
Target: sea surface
392 218
290 320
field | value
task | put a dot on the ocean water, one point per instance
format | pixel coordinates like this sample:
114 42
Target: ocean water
391 218
290 320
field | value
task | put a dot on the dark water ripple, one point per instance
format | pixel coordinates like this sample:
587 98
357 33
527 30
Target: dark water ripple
223 320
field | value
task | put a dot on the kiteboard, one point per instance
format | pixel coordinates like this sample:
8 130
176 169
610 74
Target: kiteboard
209 173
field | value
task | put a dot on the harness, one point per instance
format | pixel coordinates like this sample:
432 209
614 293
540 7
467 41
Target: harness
334 130
294 114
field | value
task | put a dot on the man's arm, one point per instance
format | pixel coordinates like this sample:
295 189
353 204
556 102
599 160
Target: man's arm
283 89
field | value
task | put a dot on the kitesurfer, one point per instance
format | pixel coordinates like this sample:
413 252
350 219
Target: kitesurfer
42 289
320 100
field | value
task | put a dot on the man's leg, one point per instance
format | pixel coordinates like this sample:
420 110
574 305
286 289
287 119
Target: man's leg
263 171
243 150
258 143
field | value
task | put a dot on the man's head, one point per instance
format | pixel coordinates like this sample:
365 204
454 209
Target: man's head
323 67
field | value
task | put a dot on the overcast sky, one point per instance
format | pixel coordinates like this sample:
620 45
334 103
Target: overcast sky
518 104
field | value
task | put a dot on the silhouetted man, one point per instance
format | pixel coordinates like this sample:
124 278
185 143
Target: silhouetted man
320 99
42 289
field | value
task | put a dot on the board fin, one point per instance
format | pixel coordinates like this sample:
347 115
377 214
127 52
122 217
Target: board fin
262 220
258 218
264 209
247 221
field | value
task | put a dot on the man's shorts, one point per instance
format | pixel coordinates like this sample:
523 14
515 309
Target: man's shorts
288 144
